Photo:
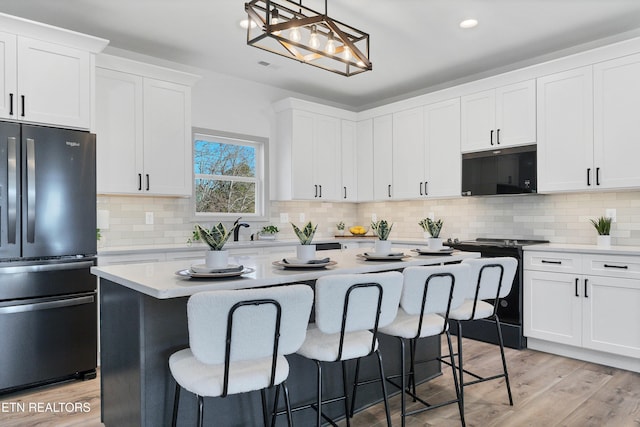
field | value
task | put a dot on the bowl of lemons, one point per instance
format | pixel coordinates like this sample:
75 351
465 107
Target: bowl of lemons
358 230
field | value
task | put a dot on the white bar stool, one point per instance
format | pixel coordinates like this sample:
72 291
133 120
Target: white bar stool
238 340
490 279
349 309
426 292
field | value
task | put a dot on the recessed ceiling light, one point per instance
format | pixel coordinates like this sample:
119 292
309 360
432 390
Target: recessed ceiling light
245 23
468 23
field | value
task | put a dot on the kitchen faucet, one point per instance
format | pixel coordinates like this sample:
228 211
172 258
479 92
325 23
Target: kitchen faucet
236 230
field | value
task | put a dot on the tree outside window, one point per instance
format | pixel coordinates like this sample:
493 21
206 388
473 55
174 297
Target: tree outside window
228 175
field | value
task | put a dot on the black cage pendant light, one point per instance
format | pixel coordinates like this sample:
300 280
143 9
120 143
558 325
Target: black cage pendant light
292 30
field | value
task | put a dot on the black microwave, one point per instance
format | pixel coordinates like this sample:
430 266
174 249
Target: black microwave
502 171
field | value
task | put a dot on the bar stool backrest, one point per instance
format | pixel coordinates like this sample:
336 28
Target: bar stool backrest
234 325
331 297
490 278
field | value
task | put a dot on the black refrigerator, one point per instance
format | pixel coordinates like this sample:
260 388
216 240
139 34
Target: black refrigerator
48 302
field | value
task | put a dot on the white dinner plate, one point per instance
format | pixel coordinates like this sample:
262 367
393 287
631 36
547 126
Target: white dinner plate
427 251
303 265
370 256
190 273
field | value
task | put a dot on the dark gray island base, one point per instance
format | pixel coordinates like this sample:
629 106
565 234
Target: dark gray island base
140 332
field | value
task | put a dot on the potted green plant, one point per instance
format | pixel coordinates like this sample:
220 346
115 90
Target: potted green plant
215 238
603 227
340 227
382 229
305 251
431 230
268 232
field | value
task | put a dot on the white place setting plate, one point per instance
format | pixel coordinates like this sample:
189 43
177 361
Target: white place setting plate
202 271
372 256
427 251
296 263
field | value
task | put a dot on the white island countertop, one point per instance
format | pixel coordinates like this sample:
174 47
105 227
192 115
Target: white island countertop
159 280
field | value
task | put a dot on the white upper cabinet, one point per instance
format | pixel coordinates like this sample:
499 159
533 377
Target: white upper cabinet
617 122
443 163
349 158
46 82
309 148
143 127
565 131
501 117
409 148
383 157
364 136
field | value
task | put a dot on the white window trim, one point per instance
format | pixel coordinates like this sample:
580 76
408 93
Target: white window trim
262 184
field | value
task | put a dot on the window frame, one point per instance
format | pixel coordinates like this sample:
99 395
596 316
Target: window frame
261 145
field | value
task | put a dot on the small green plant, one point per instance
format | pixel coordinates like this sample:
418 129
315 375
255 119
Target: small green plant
431 226
381 228
306 234
340 226
98 235
214 238
602 225
269 229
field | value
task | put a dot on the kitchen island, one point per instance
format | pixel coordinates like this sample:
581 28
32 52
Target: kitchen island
143 321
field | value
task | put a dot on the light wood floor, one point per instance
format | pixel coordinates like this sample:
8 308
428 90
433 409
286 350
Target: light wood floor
548 391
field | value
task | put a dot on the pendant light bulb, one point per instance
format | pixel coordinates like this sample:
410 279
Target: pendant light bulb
314 42
346 53
275 19
294 35
330 47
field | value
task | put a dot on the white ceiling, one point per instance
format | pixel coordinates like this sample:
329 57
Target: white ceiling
416 45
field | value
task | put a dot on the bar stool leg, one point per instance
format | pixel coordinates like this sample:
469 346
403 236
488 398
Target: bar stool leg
200 411
384 388
403 383
319 403
460 367
176 401
263 399
455 380
504 360
274 413
287 403
344 389
355 388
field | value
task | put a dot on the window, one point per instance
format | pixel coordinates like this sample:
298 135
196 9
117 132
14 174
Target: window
229 173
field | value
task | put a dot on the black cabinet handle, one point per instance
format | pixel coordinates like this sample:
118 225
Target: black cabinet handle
147 176
426 193
588 177
389 190
22 102
320 190
139 182
316 190
345 192
622 267
544 261
491 137
498 136
597 176
421 188
576 286
585 288
11 104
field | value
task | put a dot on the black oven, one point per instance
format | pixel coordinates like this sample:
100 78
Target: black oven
509 308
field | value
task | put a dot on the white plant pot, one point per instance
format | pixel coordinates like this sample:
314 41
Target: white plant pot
604 241
217 259
382 247
426 235
434 243
306 252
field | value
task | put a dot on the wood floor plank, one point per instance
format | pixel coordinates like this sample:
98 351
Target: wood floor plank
548 390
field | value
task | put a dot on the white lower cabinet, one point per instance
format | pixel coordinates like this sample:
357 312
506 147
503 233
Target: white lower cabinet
589 301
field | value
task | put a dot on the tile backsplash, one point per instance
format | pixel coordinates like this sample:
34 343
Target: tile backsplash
559 218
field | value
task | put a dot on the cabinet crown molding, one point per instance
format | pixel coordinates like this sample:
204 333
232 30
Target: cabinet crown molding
51 34
131 66
313 107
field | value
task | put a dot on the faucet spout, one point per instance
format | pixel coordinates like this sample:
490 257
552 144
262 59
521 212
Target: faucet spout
236 231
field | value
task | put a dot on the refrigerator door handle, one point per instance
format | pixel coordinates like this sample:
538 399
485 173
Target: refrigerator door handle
12 190
47 305
31 190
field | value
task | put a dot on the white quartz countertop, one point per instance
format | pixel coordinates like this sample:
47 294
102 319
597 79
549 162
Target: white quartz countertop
159 280
587 249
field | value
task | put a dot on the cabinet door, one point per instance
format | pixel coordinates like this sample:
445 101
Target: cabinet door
167 138
364 135
611 315
382 157
8 94
516 114
444 162
119 113
302 156
349 158
616 122
478 121
55 83
552 307
408 165
565 131
325 165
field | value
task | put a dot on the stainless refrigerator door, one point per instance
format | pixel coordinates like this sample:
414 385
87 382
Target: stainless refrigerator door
58 192
9 190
